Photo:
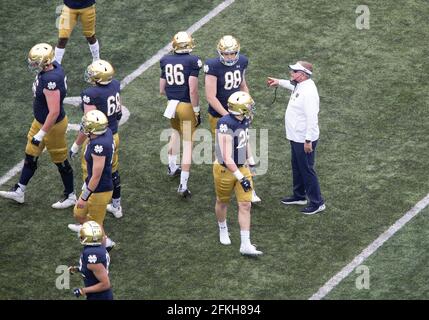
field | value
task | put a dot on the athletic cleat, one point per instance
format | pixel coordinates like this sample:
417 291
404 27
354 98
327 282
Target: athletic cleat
66 202
249 250
224 237
15 194
116 211
75 227
184 193
176 173
255 198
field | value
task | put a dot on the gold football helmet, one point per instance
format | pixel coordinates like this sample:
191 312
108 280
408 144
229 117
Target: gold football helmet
100 71
41 55
91 234
240 103
228 45
183 42
94 122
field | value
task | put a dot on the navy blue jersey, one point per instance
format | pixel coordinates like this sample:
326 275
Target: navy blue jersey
78 4
176 70
102 145
54 79
239 131
107 99
229 79
94 255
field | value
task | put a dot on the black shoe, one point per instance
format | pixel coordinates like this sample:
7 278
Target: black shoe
184 193
176 173
294 200
313 209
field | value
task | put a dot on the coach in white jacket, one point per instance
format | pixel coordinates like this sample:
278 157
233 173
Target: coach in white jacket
302 130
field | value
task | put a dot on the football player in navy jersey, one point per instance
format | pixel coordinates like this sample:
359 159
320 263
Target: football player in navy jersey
230 170
104 95
98 187
224 76
74 10
179 82
93 264
49 125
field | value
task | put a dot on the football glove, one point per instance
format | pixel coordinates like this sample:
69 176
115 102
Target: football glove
73 269
245 183
197 118
74 150
38 137
77 292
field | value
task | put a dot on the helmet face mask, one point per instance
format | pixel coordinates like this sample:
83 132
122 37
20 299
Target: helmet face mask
40 56
91 234
94 122
241 103
99 72
182 42
228 45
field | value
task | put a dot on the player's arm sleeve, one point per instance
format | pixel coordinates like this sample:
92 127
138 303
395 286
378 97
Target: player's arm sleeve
162 66
88 98
210 69
195 67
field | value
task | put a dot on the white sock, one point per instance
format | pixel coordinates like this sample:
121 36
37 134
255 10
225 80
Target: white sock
184 176
59 53
245 237
95 51
172 158
116 202
22 187
222 226
109 242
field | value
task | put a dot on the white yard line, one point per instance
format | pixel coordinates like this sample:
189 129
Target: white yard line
131 77
368 251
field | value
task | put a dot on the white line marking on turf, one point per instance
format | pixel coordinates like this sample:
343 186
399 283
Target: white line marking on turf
12 172
368 251
167 48
128 79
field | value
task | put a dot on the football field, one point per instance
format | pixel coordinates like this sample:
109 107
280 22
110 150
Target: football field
372 158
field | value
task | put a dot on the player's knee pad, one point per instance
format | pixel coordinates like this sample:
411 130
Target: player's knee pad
30 162
64 167
116 179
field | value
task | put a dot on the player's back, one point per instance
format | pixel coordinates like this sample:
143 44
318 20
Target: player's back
176 70
94 255
107 99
